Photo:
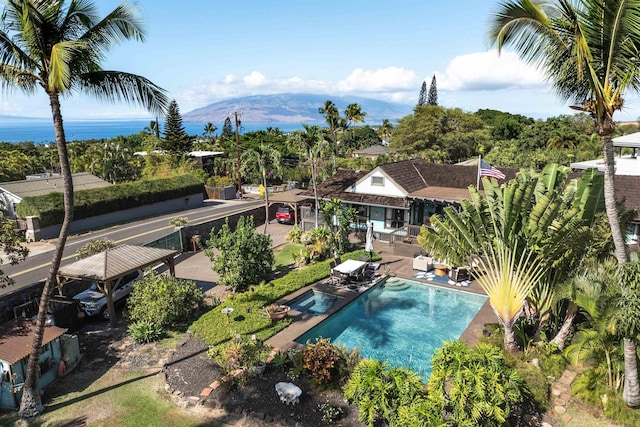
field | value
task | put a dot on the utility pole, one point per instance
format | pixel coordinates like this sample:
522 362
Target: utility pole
238 153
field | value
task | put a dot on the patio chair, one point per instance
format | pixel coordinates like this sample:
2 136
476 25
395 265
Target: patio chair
340 279
423 263
458 274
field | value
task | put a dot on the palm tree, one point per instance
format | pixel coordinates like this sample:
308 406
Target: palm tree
385 131
210 129
354 114
262 158
331 116
311 144
153 128
58 46
589 51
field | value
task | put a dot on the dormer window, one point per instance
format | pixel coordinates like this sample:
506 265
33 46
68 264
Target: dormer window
377 180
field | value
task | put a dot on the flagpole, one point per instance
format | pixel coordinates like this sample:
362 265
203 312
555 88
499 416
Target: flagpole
478 173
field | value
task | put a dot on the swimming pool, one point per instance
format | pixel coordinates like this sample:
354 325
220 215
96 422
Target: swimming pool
402 325
313 302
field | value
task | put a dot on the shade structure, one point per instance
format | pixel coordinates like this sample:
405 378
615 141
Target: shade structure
368 244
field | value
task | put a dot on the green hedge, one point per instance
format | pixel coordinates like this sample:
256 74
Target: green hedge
96 201
248 315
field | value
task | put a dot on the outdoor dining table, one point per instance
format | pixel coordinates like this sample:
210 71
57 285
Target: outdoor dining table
351 267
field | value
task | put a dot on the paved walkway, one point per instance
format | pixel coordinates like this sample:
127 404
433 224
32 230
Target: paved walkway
196 266
561 393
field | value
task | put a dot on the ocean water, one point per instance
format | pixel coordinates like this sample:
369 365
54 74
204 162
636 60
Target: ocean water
40 131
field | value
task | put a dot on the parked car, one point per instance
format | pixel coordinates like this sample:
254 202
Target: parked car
94 303
286 215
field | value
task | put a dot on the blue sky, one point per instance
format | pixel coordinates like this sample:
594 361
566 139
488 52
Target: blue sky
206 51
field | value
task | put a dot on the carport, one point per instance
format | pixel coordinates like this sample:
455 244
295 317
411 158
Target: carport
291 198
107 268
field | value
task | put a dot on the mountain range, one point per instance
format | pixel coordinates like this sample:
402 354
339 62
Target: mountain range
294 108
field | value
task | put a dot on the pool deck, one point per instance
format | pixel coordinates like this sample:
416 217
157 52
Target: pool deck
390 265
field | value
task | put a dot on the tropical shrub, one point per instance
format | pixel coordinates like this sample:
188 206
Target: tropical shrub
321 360
145 331
294 234
163 300
244 258
242 353
473 386
220 181
380 392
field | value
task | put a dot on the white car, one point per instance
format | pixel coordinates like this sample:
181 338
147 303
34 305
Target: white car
94 303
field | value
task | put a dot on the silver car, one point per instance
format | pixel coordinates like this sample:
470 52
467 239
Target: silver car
94 303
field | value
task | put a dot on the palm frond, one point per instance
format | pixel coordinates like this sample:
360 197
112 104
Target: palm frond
120 86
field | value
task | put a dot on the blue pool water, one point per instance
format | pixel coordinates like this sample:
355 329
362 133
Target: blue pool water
402 322
313 302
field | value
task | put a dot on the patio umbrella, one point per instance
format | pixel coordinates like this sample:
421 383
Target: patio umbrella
368 243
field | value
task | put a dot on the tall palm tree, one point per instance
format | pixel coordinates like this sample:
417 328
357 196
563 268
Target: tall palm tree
332 117
58 46
262 158
354 114
311 144
589 52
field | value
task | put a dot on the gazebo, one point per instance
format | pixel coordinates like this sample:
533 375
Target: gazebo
291 198
106 269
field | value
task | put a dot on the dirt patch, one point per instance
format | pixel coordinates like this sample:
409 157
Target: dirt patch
190 372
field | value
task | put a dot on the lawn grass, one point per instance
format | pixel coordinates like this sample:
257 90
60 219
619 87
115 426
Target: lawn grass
248 316
118 398
284 254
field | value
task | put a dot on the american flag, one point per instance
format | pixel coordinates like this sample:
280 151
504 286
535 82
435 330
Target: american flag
487 170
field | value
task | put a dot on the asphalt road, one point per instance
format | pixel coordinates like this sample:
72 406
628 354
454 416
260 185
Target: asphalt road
36 266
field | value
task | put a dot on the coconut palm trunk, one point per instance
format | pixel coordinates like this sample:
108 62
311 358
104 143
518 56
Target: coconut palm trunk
31 404
315 190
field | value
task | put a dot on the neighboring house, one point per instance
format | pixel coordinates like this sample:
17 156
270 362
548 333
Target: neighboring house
399 197
627 164
15 191
59 352
372 152
627 178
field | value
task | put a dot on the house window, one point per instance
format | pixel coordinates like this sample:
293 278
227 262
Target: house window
394 218
377 180
632 234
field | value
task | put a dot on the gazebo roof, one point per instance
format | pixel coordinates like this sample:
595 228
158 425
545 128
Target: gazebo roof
115 262
291 196
631 140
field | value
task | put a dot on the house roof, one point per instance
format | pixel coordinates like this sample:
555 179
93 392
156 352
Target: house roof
632 140
374 150
40 186
442 194
16 338
416 174
114 263
341 181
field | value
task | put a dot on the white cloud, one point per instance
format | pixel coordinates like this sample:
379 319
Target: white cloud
229 78
381 80
255 79
488 71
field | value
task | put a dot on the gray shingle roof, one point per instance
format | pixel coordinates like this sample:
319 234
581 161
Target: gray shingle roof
40 186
